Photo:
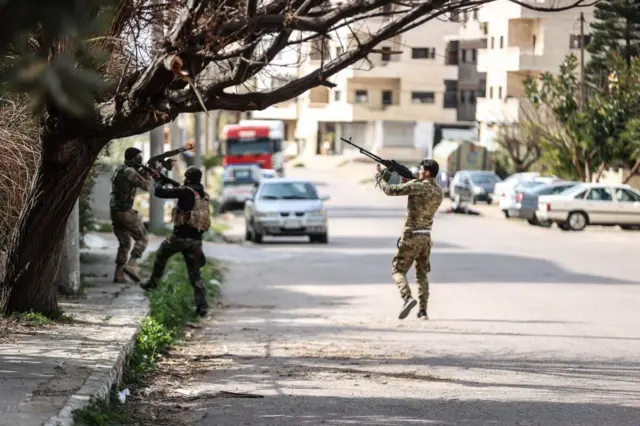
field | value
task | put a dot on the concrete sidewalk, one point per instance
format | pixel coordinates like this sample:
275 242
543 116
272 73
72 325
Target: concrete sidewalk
50 370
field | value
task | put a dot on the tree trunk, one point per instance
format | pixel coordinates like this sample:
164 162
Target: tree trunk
633 172
598 175
33 255
68 278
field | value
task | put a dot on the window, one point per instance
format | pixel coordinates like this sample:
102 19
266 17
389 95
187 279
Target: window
337 95
450 94
462 97
464 55
500 92
574 41
493 42
423 97
387 97
580 195
474 55
288 191
455 15
501 42
626 196
485 28
475 14
386 54
387 8
339 51
472 97
535 39
600 194
362 97
423 53
491 92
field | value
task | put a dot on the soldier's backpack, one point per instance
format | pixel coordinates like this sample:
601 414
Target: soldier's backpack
199 217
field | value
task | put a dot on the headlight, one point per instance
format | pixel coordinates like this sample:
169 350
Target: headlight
266 214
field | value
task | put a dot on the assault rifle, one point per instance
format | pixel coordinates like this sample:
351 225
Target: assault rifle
163 159
392 165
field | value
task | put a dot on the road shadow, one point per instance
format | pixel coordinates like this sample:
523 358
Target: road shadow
344 242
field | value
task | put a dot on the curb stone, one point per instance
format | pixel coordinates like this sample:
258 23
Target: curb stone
109 371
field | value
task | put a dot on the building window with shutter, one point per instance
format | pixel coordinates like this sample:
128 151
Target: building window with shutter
472 97
491 92
464 55
423 97
574 41
386 54
475 14
501 42
493 43
500 92
474 55
362 97
423 53
462 97
336 95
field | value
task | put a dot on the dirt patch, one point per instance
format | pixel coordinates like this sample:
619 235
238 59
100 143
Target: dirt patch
10 328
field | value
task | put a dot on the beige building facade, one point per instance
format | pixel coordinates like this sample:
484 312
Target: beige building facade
521 42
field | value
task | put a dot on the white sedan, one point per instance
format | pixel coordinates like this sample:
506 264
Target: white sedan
592 204
286 207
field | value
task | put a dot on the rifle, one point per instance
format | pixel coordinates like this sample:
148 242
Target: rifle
392 165
162 159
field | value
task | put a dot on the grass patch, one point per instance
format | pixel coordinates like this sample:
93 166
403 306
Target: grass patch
36 318
172 305
103 227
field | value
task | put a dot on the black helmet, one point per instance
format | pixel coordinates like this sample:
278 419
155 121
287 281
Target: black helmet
131 153
193 174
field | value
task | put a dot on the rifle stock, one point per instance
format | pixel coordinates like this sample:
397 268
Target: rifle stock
392 165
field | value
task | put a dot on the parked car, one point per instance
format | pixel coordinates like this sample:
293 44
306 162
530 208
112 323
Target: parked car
505 191
237 183
268 173
592 204
286 207
527 195
473 186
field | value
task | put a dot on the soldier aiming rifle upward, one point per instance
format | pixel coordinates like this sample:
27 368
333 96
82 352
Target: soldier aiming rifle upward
127 223
414 246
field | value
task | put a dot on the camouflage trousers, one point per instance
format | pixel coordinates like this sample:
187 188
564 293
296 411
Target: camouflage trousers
413 248
193 257
128 225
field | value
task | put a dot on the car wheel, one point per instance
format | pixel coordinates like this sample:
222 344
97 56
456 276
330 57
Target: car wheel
532 222
544 223
256 236
489 200
247 233
577 221
564 226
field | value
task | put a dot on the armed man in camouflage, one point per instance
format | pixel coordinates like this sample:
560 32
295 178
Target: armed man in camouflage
191 218
424 198
127 223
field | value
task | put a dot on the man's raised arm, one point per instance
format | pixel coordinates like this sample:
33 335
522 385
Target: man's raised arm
138 180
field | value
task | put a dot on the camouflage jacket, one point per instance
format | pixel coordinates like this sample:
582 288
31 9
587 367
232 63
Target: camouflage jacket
424 199
124 182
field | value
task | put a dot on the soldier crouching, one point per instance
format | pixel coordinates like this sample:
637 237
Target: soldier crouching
191 218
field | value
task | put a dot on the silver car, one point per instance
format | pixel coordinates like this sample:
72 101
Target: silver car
527 195
286 207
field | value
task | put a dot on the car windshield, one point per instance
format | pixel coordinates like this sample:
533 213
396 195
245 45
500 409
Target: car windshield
553 189
484 178
288 191
573 190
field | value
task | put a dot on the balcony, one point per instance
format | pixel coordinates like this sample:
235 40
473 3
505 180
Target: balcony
501 10
283 111
498 110
512 59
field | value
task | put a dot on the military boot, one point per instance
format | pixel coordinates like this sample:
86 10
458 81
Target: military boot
201 300
118 276
422 314
131 269
407 305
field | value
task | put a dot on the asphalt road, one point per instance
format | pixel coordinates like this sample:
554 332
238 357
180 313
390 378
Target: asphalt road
529 326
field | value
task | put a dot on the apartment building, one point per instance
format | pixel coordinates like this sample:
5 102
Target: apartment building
520 42
463 50
396 103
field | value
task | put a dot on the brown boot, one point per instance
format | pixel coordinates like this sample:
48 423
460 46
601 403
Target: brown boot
119 277
131 269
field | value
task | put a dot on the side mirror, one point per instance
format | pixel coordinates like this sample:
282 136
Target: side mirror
324 197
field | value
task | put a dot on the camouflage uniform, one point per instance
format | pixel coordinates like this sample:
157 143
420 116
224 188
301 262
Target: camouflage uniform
186 238
424 198
127 223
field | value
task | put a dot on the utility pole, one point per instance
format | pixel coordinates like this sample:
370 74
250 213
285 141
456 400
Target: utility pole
583 92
